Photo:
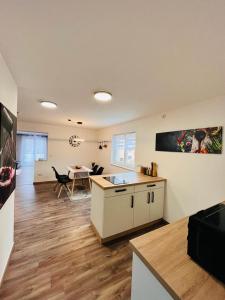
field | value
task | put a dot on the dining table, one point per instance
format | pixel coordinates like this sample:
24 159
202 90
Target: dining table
81 172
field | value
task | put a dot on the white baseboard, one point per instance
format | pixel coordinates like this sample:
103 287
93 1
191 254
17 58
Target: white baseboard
2 279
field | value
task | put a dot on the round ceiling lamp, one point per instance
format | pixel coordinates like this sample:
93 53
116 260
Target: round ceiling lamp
48 104
103 96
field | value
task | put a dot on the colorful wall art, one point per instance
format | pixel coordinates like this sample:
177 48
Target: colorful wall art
201 140
7 154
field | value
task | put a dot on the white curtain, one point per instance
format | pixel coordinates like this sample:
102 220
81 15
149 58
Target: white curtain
31 148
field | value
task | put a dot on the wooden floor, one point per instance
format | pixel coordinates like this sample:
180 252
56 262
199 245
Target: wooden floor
57 255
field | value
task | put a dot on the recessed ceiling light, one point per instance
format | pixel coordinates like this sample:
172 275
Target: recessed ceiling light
103 96
48 104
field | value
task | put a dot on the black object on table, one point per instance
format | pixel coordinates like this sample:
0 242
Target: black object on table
206 240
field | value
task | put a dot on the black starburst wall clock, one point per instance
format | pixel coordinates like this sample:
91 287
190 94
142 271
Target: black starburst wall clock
75 141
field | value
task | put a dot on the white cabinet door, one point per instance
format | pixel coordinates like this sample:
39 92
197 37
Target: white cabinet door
118 214
145 286
141 208
156 205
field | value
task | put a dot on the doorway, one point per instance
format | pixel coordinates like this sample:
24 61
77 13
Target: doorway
30 147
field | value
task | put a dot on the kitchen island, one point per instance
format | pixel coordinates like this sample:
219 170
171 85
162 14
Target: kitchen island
163 270
132 202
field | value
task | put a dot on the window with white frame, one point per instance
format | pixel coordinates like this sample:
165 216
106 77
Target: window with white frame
123 150
31 146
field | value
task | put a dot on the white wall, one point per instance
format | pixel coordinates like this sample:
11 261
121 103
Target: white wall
8 96
60 153
194 181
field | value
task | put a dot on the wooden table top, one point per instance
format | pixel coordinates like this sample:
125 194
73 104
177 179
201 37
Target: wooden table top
131 177
164 252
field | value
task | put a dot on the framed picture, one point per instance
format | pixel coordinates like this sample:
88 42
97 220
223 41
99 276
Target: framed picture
7 154
201 140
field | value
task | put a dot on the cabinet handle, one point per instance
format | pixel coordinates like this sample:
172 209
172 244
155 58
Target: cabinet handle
121 190
151 185
149 198
153 197
132 201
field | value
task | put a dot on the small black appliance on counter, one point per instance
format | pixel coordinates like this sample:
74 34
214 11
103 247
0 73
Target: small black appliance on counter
206 240
116 179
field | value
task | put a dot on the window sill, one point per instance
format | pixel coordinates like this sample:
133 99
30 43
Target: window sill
40 160
123 167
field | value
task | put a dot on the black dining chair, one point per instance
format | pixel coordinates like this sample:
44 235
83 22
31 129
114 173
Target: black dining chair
99 171
94 170
62 181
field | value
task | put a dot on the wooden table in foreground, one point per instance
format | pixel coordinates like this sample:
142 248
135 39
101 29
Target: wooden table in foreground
75 172
161 264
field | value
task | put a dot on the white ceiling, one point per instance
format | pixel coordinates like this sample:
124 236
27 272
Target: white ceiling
151 55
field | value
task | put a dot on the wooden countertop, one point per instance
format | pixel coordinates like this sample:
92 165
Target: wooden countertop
164 252
131 177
